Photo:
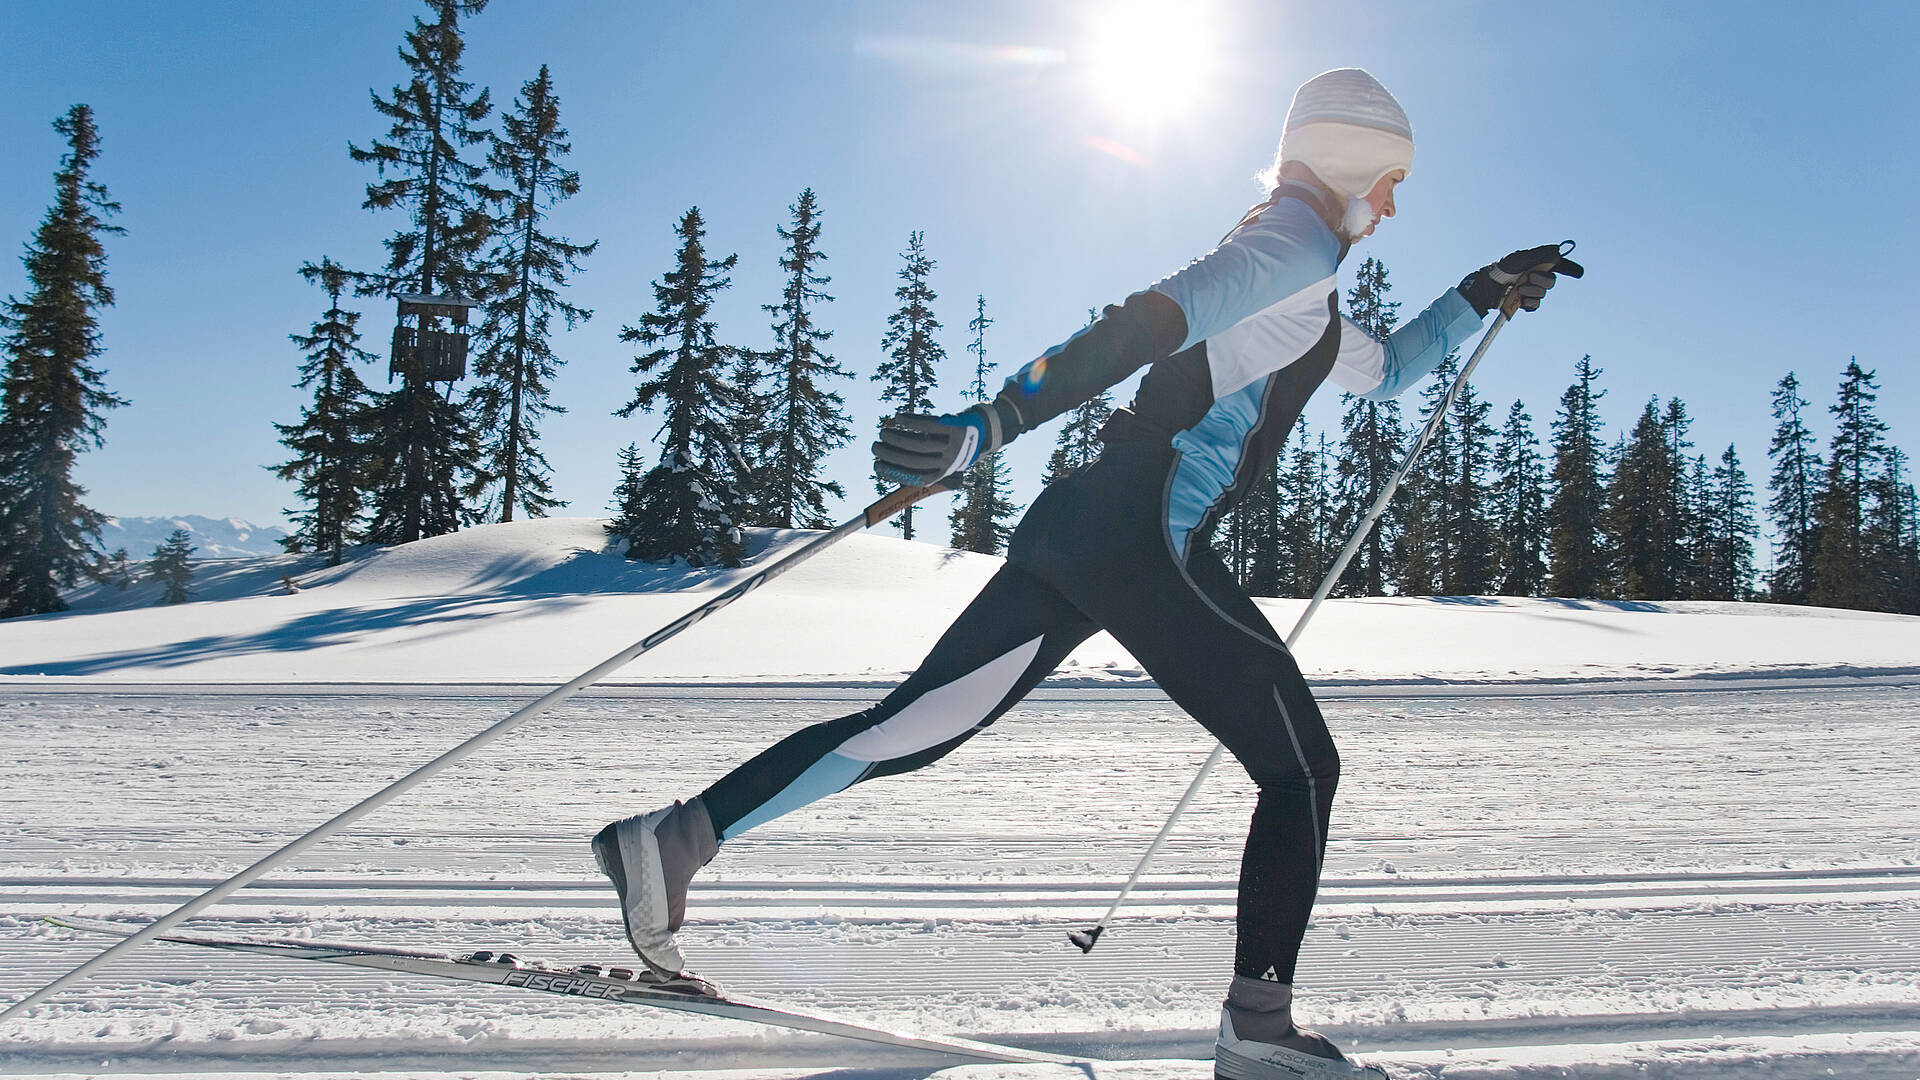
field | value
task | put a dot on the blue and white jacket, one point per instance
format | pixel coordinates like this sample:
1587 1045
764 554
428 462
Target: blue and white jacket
1236 342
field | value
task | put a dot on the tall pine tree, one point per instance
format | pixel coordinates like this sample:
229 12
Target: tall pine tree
1728 558
525 270
688 505
1696 518
1688 498
329 466
805 420
982 517
1426 550
1305 524
1372 438
1841 574
1519 504
1576 549
1893 536
1470 563
53 396
1795 484
912 352
1643 511
425 443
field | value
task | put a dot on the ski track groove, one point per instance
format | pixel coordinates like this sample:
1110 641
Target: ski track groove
1752 889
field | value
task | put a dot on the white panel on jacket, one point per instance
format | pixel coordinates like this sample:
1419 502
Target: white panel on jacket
1268 340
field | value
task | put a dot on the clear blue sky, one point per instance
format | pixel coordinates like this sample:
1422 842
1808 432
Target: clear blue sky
1736 176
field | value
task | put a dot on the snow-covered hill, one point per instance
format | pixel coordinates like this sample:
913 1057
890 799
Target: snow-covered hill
540 601
213 538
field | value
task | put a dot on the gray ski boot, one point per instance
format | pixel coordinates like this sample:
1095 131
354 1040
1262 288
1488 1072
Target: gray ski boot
650 859
1258 1040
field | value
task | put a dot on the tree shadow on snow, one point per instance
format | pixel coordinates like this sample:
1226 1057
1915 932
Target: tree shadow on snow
317 629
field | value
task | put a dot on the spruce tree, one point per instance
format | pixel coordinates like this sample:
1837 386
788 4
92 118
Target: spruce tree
524 270
908 371
1696 517
1471 561
425 444
1892 540
1688 497
1248 538
172 566
1576 548
329 467
53 396
437 117
1643 512
1729 532
1519 504
982 517
1372 439
1841 575
749 422
632 469
688 505
1795 484
806 421
1305 516
1426 550
118 570
422 448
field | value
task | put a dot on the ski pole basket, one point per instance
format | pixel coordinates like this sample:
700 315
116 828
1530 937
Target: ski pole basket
422 351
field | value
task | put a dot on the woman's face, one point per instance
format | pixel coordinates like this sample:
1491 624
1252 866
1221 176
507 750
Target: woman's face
1381 198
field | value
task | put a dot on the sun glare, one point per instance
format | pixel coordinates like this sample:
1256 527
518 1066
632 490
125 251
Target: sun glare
1147 61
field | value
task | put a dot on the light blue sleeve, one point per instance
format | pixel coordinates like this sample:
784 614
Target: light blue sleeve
1286 249
1418 345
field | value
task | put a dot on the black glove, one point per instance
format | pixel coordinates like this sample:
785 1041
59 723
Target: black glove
1529 273
917 450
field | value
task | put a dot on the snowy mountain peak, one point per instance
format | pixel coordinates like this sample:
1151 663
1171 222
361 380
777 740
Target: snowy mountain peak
213 538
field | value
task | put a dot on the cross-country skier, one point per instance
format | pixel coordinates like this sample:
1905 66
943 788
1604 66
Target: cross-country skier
1234 345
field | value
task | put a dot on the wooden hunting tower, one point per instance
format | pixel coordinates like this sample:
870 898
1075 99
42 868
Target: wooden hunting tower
422 351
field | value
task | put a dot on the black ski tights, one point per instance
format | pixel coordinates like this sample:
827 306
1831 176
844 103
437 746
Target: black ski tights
1092 554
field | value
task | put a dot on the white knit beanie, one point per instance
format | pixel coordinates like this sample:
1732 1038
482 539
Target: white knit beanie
1348 129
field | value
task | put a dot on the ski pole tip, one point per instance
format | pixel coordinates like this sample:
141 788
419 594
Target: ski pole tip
1085 939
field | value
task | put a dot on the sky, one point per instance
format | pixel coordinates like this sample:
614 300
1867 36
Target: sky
1735 176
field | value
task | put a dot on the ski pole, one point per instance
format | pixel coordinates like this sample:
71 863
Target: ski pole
1085 939
881 510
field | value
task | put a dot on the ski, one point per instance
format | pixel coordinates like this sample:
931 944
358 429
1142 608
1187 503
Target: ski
621 985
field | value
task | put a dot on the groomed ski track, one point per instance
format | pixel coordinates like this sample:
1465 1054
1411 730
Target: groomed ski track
1642 879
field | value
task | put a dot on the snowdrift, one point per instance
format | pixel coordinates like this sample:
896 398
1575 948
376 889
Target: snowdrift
540 601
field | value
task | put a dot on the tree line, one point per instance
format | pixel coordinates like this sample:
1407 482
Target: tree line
1488 510
743 430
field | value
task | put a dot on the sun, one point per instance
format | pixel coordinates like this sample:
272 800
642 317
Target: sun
1148 61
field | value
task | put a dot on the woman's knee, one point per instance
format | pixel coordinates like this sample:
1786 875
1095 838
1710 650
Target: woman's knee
1297 749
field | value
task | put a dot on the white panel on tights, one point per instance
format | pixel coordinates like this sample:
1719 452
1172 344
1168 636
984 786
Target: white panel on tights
942 713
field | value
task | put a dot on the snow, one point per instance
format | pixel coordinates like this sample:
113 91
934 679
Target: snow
540 601
1593 840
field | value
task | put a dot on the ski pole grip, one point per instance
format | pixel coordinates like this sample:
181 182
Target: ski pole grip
901 498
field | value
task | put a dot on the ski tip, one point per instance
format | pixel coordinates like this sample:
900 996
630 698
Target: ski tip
1085 939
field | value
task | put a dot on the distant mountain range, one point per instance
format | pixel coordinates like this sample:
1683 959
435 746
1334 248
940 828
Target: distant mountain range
213 538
